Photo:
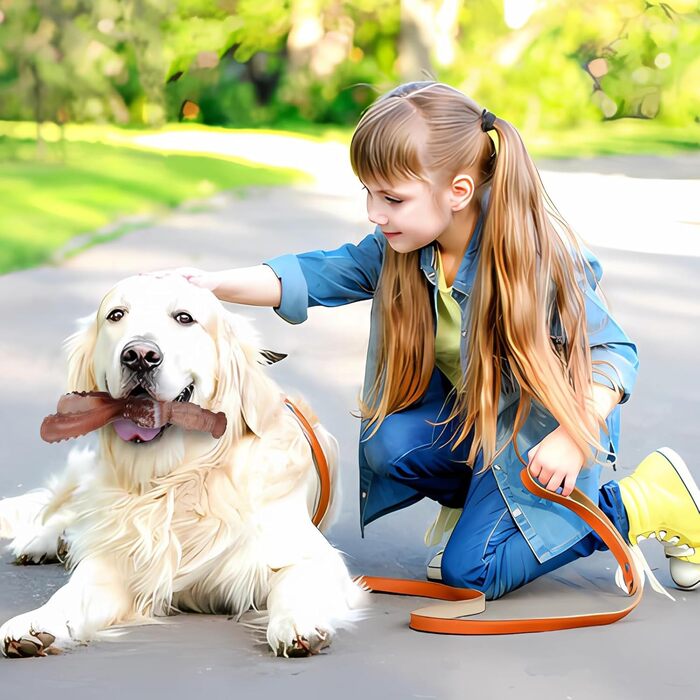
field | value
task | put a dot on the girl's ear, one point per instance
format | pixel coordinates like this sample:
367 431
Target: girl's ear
79 348
462 191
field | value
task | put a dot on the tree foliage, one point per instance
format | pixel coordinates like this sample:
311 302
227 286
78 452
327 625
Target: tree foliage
253 62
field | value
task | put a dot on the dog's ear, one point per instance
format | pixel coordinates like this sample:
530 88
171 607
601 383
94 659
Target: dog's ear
241 383
269 357
79 349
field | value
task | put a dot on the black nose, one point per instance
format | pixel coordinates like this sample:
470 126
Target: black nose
141 355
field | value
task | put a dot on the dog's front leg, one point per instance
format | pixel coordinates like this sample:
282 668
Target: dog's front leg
35 538
308 601
94 598
311 592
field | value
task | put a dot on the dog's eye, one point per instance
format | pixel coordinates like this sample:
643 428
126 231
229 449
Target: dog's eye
115 315
183 318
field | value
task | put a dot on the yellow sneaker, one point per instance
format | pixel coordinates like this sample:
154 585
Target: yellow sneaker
663 501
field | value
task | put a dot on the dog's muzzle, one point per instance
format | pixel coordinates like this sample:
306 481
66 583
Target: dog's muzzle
141 356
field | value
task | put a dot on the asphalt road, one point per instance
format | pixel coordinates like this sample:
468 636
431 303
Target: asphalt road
650 654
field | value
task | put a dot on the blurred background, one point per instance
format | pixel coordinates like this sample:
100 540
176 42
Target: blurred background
89 88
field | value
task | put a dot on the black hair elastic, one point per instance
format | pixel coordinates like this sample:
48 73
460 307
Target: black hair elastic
487 120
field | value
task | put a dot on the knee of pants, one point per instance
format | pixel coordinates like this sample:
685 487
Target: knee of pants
382 450
377 454
466 567
475 573
463 567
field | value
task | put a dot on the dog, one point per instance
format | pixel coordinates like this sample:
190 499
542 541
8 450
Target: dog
156 522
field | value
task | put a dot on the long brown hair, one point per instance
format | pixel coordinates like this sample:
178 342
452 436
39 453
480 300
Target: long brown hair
530 268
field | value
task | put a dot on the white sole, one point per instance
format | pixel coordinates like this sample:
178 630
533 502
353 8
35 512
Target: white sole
434 572
676 461
684 574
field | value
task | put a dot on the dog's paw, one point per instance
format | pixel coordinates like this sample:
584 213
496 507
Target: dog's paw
23 636
37 644
34 634
288 640
32 546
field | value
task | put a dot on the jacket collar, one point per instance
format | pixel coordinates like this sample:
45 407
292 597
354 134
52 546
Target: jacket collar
464 279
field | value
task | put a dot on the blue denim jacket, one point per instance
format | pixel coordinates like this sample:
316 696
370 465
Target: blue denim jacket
351 272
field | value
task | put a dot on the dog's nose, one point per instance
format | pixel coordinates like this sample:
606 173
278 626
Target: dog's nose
141 355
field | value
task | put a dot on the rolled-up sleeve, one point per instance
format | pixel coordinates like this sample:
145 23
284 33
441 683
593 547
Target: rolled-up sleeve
613 353
328 277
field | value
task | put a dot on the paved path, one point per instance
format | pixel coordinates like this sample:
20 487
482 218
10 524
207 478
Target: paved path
656 297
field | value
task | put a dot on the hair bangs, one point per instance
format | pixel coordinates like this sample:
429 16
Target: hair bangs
384 147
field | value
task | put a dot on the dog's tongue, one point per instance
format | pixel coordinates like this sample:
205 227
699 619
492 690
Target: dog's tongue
128 430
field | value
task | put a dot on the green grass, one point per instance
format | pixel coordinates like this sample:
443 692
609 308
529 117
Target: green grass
616 137
620 137
93 175
81 187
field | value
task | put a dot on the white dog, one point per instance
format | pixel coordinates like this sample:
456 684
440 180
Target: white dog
160 521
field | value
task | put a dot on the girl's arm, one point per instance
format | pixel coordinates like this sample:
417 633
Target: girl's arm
556 461
605 399
293 283
256 286
328 277
613 353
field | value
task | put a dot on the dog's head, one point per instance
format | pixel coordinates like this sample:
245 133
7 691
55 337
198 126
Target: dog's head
175 342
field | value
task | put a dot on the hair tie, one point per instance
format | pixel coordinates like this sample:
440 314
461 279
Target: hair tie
487 120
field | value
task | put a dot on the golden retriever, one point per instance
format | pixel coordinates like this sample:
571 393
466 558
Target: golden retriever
157 521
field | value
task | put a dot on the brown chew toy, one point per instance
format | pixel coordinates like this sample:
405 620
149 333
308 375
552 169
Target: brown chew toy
82 412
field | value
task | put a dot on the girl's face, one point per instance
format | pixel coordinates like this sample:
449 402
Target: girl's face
408 214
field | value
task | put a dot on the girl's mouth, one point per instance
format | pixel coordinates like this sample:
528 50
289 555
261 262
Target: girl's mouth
391 233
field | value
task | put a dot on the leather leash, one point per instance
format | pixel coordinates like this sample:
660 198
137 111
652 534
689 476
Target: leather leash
319 458
442 618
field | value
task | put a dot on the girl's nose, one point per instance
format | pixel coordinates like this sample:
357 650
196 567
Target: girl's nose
377 218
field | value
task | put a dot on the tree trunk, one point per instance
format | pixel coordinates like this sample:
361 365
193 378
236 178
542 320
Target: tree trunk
38 111
415 45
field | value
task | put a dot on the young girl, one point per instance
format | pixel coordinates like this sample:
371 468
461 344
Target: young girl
490 348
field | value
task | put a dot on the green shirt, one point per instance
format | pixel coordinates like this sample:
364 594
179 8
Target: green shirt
449 324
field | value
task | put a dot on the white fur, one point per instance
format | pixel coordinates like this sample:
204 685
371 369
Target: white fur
186 521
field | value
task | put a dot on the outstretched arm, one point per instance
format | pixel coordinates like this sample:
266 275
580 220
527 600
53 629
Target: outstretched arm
256 286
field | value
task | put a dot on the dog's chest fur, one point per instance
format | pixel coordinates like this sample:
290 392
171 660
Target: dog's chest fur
194 536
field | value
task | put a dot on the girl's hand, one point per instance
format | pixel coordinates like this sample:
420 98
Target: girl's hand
556 461
197 277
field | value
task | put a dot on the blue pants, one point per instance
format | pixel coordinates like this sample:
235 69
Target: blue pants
486 550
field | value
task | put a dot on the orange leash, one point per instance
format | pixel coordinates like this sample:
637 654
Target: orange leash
319 458
443 617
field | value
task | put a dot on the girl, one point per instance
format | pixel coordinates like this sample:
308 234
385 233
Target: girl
489 348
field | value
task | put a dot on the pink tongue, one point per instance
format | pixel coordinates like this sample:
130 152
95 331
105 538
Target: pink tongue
128 430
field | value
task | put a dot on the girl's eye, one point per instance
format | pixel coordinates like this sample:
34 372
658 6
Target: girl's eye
115 315
183 318
391 200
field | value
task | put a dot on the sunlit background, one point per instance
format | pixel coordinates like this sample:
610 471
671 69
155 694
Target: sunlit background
95 93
